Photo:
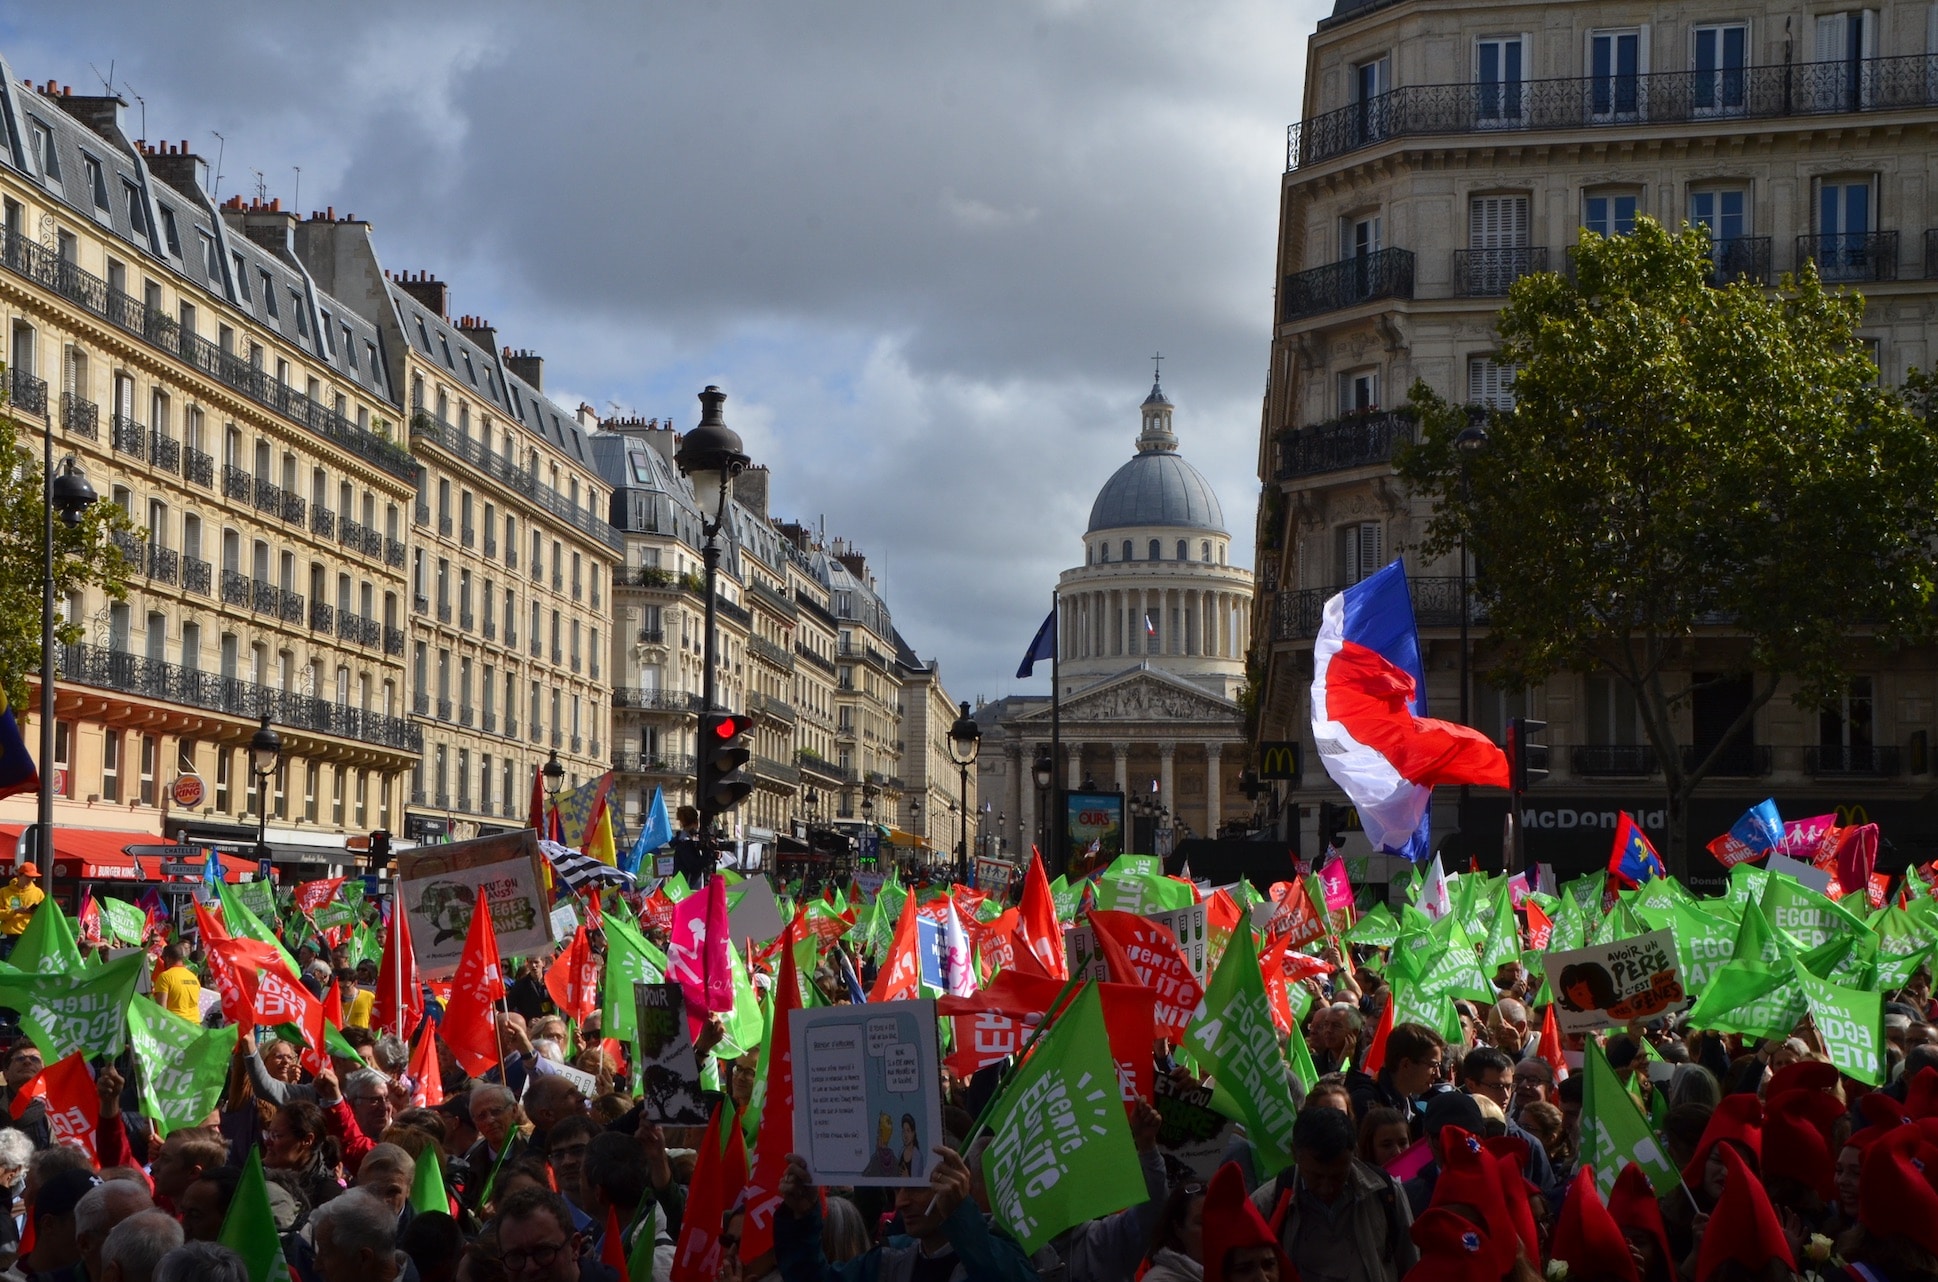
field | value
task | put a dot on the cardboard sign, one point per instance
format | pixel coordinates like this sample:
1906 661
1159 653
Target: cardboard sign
1193 1134
669 1071
867 1092
1188 924
587 1084
438 886
1607 985
1800 872
756 915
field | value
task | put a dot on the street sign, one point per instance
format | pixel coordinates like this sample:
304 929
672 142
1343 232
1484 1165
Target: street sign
162 852
176 868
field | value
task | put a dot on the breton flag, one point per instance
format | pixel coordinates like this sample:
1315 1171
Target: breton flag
1368 691
1043 647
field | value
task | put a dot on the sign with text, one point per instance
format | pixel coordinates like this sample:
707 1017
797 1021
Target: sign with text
867 1092
440 889
1607 985
1080 950
1095 824
669 1071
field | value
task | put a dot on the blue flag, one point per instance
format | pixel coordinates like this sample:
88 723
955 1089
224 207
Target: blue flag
654 831
1043 647
1633 857
17 773
1755 835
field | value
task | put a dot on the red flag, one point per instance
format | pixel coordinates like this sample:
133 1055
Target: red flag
995 939
398 974
1376 1053
312 895
573 978
426 1078
1297 915
1540 926
479 982
1040 932
73 1107
901 978
316 1058
996 1020
1856 856
282 1000
236 966
1550 1048
657 912
776 1138
1141 951
535 816
696 1257
1280 964
612 1253
34 1088
90 920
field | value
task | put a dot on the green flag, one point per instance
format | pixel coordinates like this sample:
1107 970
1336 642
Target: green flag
1377 927
427 1186
1456 972
1065 897
744 1023
675 887
1806 916
1300 1056
249 1229
1755 940
123 920
630 959
1614 1132
1851 1023
47 946
1703 944
1062 1151
1133 866
1570 927
183 1067
1138 893
344 909
1750 998
78 1011
1503 937
1232 1034
259 896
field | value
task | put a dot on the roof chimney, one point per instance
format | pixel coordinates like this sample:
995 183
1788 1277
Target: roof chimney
265 222
101 113
428 290
480 331
528 365
750 489
180 168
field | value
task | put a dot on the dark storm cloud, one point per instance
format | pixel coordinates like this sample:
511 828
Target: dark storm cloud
927 248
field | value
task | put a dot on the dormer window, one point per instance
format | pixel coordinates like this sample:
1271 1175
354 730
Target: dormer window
97 180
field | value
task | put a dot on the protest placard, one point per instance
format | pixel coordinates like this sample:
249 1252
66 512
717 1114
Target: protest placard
669 1071
753 913
439 889
1607 985
1190 925
1193 1134
867 1092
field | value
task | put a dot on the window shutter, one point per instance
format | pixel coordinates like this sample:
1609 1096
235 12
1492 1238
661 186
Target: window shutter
1497 222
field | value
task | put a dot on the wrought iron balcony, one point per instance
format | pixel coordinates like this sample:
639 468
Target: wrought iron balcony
197 467
393 550
295 507
498 467
423 514
236 482
127 436
393 640
420 703
1738 761
489 723
654 700
822 768
444 526
1358 440
154 679
767 769
1883 761
81 417
235 588
443 611
468 536
1385 274
165 452
1487 273
761 648
322 617
289 606
804 651
466 714
1740 258
1590 102
27 393
1852 256
131 548
322 521
466 620
652 636
1613 760
1436 604
780 600
195 575
578 743
652 763
443 709
163 564
490 628
349 532
268 496
768 706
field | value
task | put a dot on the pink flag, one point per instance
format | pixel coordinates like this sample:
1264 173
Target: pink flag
696 954
1339 888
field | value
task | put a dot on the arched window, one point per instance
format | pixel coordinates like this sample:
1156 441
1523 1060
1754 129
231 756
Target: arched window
1103 554
1184 549
1157 550
1204 551
1128 554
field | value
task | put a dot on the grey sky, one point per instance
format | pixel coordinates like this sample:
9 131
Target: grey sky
927 249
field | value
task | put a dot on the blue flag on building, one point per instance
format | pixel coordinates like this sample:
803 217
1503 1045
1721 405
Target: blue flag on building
1633 858
1042 648
17 773
654 831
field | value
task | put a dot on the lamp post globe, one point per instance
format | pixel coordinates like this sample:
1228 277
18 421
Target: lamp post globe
71 492
265 754
554 775
712 455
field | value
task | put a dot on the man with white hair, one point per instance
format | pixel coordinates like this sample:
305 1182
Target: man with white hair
136 1245
201 1262
98 1212
356 1239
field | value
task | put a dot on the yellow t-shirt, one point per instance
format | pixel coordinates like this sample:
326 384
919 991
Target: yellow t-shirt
358 1016
17 900
179 990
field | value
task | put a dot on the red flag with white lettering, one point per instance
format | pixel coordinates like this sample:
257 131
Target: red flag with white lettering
776 1138
312 895
479 982
1141 951
426 1078
996 1021
1039 931
66 1091
901 978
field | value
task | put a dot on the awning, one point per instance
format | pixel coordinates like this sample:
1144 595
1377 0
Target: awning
96 854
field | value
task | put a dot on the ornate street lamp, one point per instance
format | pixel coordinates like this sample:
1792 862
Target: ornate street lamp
965 740
265 756
68 493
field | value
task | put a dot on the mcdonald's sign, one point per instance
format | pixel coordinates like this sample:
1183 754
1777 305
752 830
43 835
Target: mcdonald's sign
1281 759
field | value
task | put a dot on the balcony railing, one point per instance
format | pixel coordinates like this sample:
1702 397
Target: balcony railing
130 544
1436 604
81 417
165 452
654 700
1360 440
26 257
393 550
443 709
1740 258
393 640
653 763
1738 761
825 769
127 436
236 482
163 563
768 706
766 768
804 651
497 466
1487 273
1613 760
1882 761
322 617
295 507
27 393
761 648
322 521
350 533
1584 102
154 679
781 601
195 575
1385 274
235 588
1852 256
466 714
198 468
269 496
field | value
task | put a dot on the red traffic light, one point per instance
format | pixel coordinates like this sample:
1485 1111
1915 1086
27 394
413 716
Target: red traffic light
726 727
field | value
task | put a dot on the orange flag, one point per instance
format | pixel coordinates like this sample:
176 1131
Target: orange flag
901 978
1376 1053
1039 931
479 983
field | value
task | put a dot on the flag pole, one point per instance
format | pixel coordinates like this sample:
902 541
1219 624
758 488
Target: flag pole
1056 826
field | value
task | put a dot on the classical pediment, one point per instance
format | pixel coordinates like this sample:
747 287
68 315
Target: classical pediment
1139 695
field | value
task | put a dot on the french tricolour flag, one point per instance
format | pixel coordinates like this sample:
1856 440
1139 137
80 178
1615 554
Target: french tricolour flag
1368 691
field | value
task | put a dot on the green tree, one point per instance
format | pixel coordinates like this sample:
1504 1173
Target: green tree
1686 459
84 556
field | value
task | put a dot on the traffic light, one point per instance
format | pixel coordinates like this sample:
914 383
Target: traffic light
1332 824
1527 761
379 850
1249 785
725 747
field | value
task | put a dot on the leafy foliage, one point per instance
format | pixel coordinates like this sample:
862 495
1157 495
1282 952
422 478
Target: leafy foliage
1681 455
84 556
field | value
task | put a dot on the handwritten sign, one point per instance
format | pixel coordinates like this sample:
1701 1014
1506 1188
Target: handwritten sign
867 1092
1607 985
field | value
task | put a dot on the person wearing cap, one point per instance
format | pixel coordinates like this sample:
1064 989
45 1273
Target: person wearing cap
1239 1246
17 902
1449 1108
1339 1217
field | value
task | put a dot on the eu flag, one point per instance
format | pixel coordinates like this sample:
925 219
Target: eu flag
1633 858
17 773
1043 647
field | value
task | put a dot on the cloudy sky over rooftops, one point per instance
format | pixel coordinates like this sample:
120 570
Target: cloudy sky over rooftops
927 249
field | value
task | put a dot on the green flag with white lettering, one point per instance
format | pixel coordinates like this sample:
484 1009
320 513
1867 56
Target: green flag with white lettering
78 1011
1750 998
47 946
1232 1034
1614 1133
183 1067
630 959
1851 1023
122 920
1503 936
1809 918
1377 927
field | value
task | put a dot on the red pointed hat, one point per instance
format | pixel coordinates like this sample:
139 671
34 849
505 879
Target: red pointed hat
1897 1187
1509 1154
1921 1093
1633 1205
1738 1118
1804 1075
1452 1249
1587 1236
1231 1221
1469 1178
1744 1226
1796 1139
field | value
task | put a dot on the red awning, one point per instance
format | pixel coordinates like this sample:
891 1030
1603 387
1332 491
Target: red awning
96 854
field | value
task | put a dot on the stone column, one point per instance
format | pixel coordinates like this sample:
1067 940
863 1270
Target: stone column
1121 751
1214 788
1074 774
1020 785
1166 777
1026 805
